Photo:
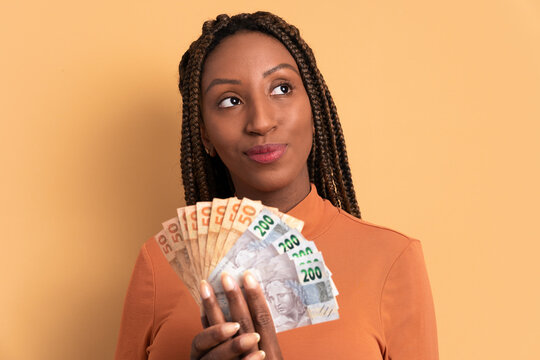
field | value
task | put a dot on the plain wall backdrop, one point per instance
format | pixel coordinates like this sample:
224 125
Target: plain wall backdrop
440 105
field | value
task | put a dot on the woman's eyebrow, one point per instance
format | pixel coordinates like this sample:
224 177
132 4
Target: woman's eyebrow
265 74
222 81
280 66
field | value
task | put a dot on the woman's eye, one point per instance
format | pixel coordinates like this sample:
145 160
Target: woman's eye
228 102
282 89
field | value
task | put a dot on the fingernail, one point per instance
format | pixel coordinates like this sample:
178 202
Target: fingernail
247 340
257 336
263 354
250 281
231 328
228 282
205 290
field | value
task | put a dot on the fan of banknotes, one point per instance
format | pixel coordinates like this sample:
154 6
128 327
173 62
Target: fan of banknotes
234 235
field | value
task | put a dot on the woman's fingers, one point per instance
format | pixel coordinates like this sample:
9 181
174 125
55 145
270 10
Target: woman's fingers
213 312
262 318
210 337
237 306
233 348
204 321
258 355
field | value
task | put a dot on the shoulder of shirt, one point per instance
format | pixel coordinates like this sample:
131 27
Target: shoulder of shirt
154 255
397 238
165 280
148 244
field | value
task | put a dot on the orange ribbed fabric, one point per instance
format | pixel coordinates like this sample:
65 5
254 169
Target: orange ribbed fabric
385 301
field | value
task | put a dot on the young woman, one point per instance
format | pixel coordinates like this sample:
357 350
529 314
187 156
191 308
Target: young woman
259 122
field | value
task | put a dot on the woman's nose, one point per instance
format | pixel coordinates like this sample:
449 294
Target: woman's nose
261 117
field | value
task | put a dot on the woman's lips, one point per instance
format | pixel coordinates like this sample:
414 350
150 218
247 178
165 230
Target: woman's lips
266 154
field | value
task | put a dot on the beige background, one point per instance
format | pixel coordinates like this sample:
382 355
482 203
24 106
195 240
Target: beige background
440 103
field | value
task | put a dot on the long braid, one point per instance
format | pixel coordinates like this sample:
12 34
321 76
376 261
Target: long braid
347 183
205 177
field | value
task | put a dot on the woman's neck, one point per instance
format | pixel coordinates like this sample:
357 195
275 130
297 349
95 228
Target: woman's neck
284 198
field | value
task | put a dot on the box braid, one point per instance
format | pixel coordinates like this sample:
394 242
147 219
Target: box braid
206 177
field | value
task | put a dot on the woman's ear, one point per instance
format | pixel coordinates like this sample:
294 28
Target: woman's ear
208 147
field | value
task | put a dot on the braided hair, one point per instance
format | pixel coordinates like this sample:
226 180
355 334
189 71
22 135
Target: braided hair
205 177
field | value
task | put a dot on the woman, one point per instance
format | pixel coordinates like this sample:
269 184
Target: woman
259 122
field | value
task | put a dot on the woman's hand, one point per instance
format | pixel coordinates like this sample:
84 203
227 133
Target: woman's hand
261 316
215 342
250 314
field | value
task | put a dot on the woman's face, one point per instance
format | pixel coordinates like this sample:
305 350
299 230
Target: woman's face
282 298
257 114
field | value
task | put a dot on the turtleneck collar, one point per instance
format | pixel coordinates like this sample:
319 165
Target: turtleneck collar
316 212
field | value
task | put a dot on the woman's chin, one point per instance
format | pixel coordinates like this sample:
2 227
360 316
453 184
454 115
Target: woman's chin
282 181
264 184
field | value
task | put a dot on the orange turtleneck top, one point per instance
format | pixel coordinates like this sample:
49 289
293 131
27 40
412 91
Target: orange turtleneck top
385 302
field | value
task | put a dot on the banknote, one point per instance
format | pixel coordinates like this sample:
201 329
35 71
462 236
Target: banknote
171 228
314 299
193 239
247 211
255 247
230 214
217 214
173 233
312 271
181 212
264 229
310 268
305 265
203 219
291 221
167 249
291 304
294 300
294 244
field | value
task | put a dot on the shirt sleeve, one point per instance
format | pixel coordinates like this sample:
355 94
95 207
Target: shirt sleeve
407 310
138 315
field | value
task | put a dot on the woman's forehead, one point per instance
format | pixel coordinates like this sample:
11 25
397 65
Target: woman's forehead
245 52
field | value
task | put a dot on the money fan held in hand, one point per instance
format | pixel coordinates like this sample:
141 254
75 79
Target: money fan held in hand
233 235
